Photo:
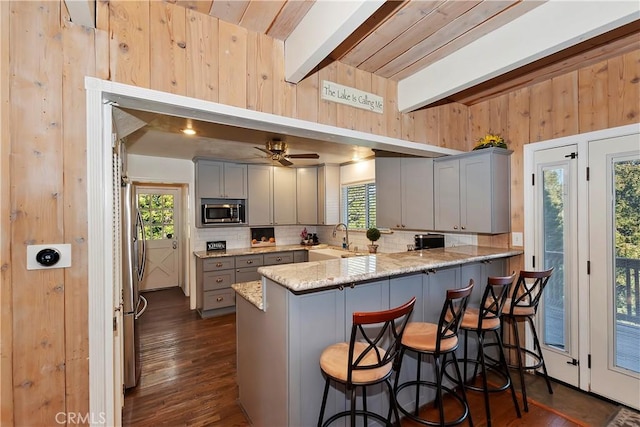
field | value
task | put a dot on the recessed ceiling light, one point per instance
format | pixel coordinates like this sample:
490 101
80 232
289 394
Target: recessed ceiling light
188 131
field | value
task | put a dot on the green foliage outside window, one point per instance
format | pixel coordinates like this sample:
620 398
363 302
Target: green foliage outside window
157 215
359 205
627 238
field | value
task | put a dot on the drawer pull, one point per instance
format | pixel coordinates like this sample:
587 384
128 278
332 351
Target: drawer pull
219 280
279 259
218 264
219 299
249 262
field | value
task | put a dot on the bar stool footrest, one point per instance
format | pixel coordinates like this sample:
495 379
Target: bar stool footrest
358 412
451 392
536 357
494 367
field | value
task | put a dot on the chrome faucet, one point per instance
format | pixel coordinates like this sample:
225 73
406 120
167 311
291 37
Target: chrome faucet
346 233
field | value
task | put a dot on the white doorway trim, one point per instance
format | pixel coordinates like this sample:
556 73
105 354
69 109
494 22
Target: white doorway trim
102 270
581 140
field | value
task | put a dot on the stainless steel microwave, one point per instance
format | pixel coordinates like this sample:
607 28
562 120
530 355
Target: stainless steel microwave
222 213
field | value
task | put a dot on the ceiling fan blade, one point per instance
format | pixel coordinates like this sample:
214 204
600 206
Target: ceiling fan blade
264 151
303 156
284 162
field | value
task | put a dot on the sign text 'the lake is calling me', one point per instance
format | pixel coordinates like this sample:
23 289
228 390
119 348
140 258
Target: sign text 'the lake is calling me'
350 96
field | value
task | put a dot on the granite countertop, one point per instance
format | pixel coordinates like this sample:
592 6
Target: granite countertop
250 251
251 291
310 276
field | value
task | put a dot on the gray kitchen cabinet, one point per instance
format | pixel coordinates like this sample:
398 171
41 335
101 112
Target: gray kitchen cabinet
404 193
220 180
300 256
260 197
278 258
214 277
284 196
328 194
307 195
247 267
472 192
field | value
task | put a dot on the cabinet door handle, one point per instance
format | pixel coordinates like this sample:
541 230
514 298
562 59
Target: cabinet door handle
463 227
220 299
249 262
219 280
218 264
455 227
403 226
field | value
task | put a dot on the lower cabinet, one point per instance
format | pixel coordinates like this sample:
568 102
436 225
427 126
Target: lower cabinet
247 267
214 277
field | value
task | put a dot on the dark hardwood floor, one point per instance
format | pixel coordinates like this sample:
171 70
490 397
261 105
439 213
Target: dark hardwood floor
189 378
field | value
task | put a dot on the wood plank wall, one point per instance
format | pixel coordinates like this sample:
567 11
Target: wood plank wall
43 328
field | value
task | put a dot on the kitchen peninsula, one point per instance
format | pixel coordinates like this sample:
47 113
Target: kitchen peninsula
296 310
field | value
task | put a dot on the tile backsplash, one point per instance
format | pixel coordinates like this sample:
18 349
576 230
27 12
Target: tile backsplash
396 241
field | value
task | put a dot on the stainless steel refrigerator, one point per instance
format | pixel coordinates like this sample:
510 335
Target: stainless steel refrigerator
133 263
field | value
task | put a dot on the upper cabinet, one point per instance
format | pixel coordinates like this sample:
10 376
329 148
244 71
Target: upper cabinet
260 200
220 180
404 193
284 196
307 195
272 195
472 192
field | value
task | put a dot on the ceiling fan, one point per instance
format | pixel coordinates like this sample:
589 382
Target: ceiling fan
276 150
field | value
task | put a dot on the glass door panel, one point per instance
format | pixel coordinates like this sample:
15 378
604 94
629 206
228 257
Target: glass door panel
626 259
554 208
614 252
555 203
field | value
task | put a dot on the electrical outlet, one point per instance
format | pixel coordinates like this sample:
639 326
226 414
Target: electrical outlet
516 239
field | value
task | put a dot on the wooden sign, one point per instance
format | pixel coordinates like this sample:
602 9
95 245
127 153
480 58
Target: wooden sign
350 96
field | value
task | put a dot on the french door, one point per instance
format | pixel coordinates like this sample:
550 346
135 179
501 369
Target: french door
582 217
614 253
555 209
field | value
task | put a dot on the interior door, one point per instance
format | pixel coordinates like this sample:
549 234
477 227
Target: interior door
160 211
614 226
556 221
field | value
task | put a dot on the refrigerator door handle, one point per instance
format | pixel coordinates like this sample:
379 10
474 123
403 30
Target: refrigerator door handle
143 243
141 312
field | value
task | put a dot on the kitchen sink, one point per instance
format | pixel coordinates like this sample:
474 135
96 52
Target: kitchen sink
330 253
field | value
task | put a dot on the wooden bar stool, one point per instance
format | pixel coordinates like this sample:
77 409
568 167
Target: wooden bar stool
523 306
483 319
367 359
438 341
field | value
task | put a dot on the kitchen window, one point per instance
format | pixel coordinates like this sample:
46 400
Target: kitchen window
359 205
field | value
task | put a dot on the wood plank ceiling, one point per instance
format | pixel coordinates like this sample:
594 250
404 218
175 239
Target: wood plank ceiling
403 37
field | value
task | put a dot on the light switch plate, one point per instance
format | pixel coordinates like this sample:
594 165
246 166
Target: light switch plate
516 239
64 249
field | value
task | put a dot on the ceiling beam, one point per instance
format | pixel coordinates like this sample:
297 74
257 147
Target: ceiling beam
82 12
547 29
326 25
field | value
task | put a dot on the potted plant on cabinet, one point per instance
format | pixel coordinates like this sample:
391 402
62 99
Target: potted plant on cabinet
373 234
